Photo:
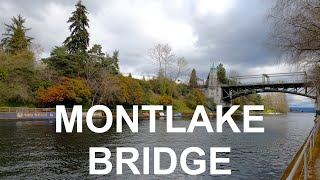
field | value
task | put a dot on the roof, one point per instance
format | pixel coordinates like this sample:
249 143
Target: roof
213 66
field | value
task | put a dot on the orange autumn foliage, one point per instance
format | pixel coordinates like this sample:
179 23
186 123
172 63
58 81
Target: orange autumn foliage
68 91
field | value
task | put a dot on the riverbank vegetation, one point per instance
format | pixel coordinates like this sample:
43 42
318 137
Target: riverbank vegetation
273 102
77 73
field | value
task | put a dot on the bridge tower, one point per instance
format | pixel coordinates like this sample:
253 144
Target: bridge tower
213 89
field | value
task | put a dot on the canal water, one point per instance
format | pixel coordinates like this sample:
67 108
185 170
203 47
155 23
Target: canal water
33 150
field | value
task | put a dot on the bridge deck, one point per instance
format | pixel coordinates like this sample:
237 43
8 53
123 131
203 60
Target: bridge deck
296 83
297 88
279 84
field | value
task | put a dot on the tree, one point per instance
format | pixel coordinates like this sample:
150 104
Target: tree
221 73
96 53
18 42
315 77
276 102
296 28
98 61
155 54
165 100
78 41
164 55
64 63
296 32
134 91
193 79
15 39
168 57
180 67
147 92
107 91
251 99
97 67
92 70
37 50
111 63
183 89
119 90
72 59
194 98
17 78
68 91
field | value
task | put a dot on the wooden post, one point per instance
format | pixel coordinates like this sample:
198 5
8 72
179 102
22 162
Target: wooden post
305 166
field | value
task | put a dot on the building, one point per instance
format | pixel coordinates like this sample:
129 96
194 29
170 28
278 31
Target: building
213 89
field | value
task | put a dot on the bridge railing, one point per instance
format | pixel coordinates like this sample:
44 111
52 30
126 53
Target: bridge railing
277 78
305 156
266 83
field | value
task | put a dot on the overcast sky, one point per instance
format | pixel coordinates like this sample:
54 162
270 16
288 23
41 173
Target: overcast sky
232 32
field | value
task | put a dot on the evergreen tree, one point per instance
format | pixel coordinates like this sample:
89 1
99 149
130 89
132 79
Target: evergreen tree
65 64
96 53
193 79
221 73
18 41
110 63
15 39
114 62
78 41
103 60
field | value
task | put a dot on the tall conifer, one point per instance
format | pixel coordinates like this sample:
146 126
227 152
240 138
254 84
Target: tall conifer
193 79
221 73
78 41
18 41
15 39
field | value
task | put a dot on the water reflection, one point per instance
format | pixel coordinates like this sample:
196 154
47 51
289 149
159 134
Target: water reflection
32 149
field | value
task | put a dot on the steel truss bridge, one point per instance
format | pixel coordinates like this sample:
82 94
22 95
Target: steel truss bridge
296 83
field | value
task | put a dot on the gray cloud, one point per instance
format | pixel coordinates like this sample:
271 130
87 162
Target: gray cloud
234 37
229 32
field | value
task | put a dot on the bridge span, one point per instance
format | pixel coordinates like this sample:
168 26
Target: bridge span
293 83
297 83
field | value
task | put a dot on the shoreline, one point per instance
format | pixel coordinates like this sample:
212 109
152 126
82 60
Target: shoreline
49 115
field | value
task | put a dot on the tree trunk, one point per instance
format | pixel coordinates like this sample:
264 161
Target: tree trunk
318 102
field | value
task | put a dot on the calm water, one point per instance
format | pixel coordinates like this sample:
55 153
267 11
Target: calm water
32 149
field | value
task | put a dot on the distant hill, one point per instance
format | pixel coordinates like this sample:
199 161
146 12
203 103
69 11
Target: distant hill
303 109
